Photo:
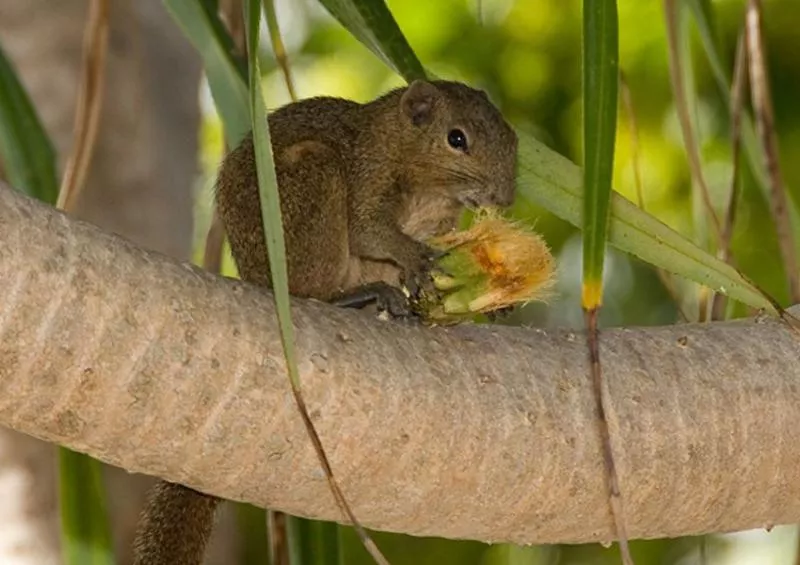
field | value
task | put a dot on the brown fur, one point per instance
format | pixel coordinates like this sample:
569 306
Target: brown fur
178 521
361 187
361 184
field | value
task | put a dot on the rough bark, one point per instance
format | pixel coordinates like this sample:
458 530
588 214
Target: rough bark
474 432
139 185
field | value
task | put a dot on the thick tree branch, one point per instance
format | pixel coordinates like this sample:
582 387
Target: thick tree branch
475 432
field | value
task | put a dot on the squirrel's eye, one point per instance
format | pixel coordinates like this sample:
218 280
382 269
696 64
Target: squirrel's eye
457 140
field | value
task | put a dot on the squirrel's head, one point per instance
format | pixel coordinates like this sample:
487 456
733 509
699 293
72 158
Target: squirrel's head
458 143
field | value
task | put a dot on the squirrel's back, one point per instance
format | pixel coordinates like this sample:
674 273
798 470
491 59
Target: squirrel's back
332 121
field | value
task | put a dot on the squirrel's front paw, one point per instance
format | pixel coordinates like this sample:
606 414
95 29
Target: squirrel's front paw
416 275
386 298
392 301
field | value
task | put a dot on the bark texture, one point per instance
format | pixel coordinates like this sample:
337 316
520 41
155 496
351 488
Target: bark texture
139 185
485 433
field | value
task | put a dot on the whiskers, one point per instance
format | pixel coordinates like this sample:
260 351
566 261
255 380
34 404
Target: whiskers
469 203
452 175
469 187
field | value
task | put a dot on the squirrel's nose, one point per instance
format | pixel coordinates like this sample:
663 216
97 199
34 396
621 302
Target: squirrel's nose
504 197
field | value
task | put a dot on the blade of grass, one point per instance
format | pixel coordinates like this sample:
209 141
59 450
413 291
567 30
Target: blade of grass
253 521
90 103
600 81
680 67
765 120
600 84
226 73
28 156
276 521
373 25
271 213
273 230
554 183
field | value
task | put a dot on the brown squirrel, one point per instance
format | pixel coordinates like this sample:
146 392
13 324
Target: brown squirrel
362 186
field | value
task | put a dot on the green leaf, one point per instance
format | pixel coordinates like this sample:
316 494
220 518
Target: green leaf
371 22
252 524
554 183
86 537
322 535
316 542
227 74
600 80
25 149
268 192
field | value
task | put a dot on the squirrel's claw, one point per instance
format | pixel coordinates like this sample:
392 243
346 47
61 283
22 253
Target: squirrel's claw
385 297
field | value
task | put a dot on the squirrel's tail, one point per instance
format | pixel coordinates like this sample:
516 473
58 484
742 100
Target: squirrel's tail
175 526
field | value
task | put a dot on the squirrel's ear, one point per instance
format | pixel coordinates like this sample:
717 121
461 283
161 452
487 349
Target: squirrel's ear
418 101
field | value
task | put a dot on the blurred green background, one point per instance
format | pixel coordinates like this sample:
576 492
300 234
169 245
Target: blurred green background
527 55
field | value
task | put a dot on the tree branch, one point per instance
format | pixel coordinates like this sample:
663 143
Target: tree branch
473 432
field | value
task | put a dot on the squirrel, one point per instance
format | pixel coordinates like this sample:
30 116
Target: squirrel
362 186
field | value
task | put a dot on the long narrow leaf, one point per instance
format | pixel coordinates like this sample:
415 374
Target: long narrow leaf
554 182
86 537
271 215
268 192
600 83
373 25
28 157
318 542
226 75
251 522
600 75
276 249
